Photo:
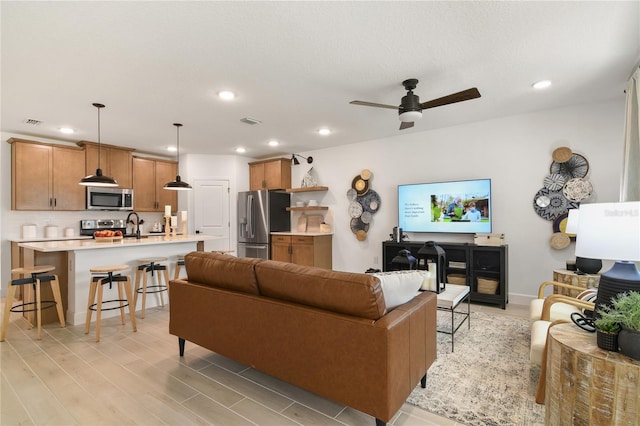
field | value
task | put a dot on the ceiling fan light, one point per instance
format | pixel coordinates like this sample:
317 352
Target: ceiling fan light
410 116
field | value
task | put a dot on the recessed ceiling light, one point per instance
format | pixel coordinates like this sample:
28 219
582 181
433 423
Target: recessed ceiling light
324 131
542 84
172 148
273 142
227 95
67 130
240 150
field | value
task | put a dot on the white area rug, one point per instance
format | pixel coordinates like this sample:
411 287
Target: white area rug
488 379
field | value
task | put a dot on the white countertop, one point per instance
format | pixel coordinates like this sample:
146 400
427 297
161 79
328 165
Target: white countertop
35 239
306 234
91 244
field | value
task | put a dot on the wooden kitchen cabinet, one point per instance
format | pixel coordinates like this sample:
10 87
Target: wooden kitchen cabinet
307 250
46 176
270 174
114 161
149 177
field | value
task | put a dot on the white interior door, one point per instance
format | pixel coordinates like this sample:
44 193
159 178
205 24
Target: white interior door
211 211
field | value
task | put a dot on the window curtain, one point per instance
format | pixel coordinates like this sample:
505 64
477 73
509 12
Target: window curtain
630 185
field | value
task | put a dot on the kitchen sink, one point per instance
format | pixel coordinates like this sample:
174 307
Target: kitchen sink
134 235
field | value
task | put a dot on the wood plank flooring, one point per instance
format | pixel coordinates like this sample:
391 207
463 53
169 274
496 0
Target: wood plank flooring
138 379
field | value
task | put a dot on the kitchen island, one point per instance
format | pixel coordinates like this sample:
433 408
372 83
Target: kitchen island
79 255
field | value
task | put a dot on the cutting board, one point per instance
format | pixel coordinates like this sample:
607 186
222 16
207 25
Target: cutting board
313 222
302 223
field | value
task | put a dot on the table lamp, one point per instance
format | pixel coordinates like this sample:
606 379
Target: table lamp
584 265
611 231
404 257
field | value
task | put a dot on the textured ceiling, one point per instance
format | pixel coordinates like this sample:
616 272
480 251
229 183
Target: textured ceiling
296 66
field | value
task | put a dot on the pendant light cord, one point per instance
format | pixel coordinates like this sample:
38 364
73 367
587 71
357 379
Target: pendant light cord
178 125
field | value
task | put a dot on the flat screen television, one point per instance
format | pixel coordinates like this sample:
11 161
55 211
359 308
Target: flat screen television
454 207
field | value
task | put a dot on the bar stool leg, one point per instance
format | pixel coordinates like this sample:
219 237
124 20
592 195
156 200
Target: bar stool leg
137 286
11 291
38 309
57 296
92 297
130 297
144 291
166 283
121 301
159 283
176 271
99 310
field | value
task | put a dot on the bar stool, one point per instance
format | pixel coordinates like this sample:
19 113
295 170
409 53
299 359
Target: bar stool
35 280
178 267
150 264
98 280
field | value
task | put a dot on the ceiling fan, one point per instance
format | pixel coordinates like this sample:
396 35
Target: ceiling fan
410 108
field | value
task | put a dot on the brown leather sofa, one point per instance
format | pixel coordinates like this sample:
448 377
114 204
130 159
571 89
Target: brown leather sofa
325 331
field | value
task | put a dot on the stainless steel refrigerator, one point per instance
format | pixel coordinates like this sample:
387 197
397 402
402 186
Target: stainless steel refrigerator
259 214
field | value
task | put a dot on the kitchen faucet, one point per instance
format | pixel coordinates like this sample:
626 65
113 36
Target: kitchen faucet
137 223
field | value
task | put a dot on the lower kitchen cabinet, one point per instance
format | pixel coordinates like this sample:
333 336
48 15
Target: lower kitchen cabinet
307 250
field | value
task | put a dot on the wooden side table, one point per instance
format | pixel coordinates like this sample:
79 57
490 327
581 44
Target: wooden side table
579 280
587 385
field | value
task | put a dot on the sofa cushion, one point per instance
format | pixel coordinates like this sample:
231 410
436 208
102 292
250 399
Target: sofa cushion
222 270
342 292
399 287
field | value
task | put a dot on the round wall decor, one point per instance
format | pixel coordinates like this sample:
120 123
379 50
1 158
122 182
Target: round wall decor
363 203
577 189
551 204
575 167
554 181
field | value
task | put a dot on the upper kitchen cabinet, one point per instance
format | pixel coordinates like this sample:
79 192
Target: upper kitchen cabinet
270 174
149 177
46 176
115 161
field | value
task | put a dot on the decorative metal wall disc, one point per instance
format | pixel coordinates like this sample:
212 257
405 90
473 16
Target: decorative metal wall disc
370 201
355 209
358 225
554 181
551 204
360 185
352 194
576 167
365 174
577 189
366 217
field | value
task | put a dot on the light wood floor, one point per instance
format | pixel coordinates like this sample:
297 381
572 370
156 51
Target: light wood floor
138 378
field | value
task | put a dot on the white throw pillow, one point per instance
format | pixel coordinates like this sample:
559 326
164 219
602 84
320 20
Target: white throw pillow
399 287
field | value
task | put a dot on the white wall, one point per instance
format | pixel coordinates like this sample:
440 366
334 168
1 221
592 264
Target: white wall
515 152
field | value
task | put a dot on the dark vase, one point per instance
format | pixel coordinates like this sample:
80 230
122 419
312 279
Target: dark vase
588 266
629 343
607 341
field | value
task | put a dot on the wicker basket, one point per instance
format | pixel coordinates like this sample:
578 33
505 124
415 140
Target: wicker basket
456 279
487 285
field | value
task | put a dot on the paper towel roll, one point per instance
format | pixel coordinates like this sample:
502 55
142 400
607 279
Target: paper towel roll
28 231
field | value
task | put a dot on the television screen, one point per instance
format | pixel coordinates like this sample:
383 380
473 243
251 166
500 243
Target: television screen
455 207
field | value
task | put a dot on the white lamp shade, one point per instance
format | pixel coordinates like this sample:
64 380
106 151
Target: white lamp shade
410 116
609 231
572 222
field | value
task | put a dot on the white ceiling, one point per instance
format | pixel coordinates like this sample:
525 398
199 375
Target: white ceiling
296 66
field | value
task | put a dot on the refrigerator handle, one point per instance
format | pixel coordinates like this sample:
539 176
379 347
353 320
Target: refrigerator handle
250 230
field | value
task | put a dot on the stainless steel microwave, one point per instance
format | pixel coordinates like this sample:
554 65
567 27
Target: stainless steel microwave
101 198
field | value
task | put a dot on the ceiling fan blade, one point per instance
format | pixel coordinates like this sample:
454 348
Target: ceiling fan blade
465 95
372 104
406 124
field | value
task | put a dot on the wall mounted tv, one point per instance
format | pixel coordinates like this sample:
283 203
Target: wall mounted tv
455 207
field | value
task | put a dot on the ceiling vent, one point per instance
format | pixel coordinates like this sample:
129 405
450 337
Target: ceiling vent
249 120
32 122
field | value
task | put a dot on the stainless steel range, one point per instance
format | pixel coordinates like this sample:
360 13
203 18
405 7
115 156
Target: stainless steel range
88 227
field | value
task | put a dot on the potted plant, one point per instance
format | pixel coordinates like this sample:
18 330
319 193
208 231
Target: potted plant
607 329
625 310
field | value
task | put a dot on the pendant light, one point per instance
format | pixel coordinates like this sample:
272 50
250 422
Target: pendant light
178 184
98 179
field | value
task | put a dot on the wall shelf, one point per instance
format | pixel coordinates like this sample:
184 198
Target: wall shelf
308 189
298 209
